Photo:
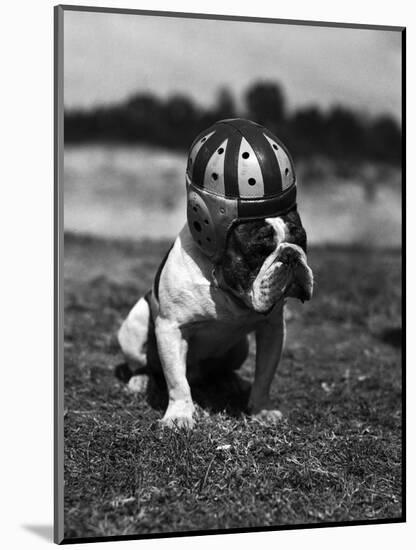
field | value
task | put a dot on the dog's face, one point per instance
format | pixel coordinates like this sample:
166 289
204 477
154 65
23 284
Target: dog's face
265 261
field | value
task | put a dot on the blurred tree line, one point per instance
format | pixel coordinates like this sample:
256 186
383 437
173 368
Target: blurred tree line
340 133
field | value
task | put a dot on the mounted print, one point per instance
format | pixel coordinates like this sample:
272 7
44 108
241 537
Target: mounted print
229 274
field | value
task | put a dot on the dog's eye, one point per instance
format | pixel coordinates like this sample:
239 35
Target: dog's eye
265 233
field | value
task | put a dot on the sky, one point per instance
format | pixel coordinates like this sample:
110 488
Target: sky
108 57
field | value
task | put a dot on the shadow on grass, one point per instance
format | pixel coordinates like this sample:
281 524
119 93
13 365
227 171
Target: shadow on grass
227 392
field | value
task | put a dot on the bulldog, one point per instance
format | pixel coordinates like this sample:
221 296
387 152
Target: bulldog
197 317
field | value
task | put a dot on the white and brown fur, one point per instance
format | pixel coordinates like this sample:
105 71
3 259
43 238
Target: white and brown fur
198 317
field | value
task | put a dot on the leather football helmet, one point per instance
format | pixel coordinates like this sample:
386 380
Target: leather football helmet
237 170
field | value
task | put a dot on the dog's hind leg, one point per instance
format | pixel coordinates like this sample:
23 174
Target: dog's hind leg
133 340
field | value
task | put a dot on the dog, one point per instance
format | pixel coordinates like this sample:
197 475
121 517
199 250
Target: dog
198 315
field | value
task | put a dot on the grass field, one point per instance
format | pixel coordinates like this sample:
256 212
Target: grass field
335 457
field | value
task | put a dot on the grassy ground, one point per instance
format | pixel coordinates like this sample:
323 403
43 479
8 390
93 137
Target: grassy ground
335 457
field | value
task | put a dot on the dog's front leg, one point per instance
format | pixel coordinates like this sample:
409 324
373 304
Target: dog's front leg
173 349
269 344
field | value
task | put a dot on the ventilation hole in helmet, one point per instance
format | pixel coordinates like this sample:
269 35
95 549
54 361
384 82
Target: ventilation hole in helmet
206 221
275 146
287 172
194 208
252 181
245 155
214 176
220 151
197 226
203 139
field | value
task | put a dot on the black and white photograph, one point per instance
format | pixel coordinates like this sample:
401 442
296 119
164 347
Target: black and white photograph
229 200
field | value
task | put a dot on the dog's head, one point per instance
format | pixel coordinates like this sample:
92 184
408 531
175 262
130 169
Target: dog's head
265 261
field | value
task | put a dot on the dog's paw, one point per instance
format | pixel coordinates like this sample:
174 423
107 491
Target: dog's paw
268 416
138 383
179 415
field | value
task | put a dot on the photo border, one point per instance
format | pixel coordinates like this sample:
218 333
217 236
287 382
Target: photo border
59 282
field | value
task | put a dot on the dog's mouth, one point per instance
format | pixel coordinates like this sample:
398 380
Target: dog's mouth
284 274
